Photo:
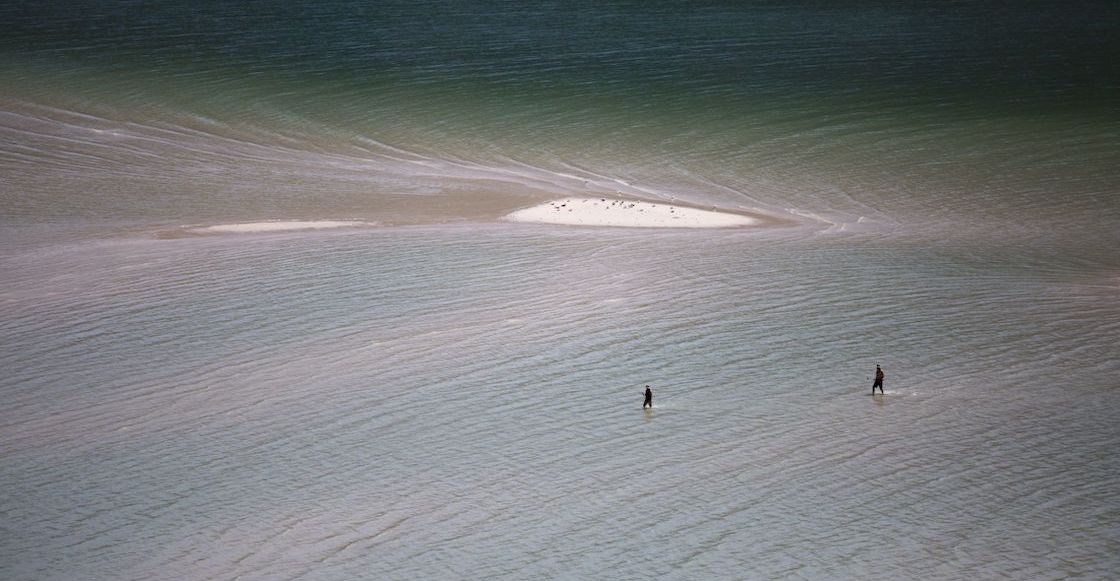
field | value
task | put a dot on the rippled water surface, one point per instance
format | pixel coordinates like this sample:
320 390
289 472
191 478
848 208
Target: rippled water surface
195 390
466 403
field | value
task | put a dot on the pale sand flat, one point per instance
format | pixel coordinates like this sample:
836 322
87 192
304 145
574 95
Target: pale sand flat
627 213
279 226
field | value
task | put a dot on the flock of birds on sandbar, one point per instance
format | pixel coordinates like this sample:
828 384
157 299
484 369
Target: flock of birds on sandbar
558 206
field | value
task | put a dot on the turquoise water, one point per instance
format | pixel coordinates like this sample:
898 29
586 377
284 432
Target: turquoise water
441 394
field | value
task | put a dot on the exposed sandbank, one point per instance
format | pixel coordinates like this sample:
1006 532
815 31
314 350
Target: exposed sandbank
628 213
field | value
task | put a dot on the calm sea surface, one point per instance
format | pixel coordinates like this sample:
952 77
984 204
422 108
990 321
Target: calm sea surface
439 394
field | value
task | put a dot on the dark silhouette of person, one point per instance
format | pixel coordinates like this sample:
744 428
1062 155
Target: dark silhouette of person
879 375
649 398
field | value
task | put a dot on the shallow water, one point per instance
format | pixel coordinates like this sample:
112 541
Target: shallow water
435 393
465 402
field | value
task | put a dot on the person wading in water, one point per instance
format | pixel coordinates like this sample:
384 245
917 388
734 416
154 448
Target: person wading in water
878 380
649 399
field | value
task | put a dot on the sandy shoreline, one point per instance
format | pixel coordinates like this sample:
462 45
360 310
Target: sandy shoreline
581 211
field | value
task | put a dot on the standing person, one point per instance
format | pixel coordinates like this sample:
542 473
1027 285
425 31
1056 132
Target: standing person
879 375
649 398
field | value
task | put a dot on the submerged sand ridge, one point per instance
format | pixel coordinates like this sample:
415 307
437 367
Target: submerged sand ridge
280 226
263 227
628 213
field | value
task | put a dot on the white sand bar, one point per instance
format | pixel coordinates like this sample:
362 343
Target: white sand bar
624 213
279 226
